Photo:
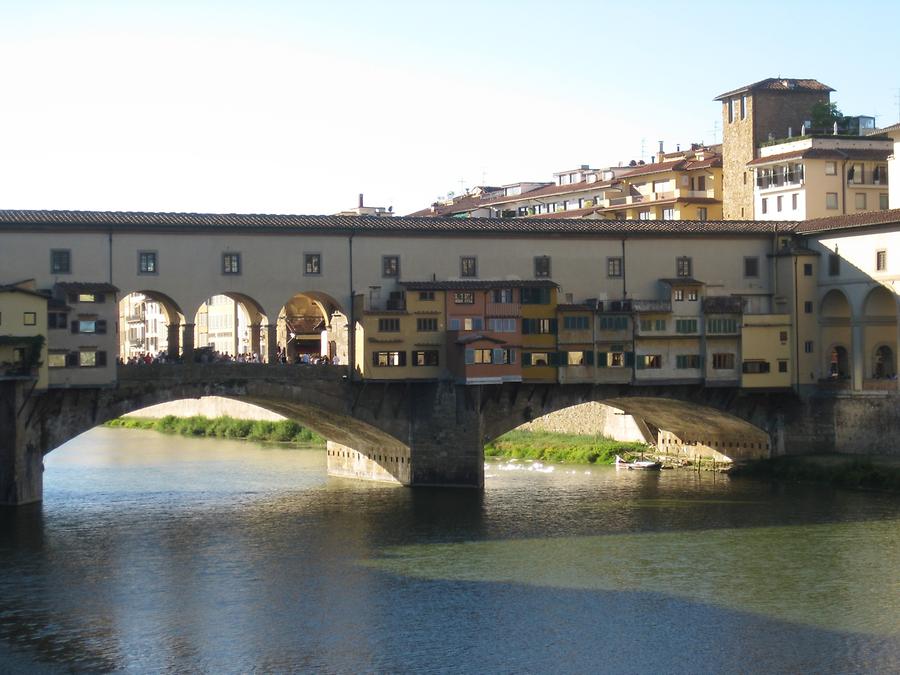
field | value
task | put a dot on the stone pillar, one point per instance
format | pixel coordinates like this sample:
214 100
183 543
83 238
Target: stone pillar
173 340
21 460
188 342
856 357
271 342
255 339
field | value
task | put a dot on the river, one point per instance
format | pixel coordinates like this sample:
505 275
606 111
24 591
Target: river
154 553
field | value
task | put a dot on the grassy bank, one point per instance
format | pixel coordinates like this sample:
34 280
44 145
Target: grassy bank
284 431
872 473
560 448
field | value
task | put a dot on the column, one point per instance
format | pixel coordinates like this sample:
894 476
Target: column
856 357
21 460
271 341
255 339
188 343
173 340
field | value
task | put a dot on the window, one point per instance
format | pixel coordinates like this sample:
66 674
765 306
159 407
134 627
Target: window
649 361
89 326
765 205
428 357
91 359
730 111
685 325
834 264
831 168
807 307
389 325
426 296
502 296
794 198
755 367
782 366
479 356
807 269
542 266
855 174
57 320
468 266
579 358
692 296
536 359
426 325
860 200
613 323
616 359
743 106
678 294
29 318
779 202
881 260
231 263
56 360
883 201
454 324
535 296
668 214
576 322
831 200
60 261
683 267
614 267
644 214
751 267
312 263
646 325
147 262
660 324
719 326
388 359
86 297
472 323
683 361
539 326
703 212
390 266
502 325
723 362
464 298
808 346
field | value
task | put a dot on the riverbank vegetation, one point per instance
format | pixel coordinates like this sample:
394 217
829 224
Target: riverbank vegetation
872 473
546 446
282 431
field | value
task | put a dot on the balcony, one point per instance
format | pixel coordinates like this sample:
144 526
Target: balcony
695 194
660 306
502 309
723 304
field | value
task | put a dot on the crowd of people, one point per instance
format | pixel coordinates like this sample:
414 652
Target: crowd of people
210 355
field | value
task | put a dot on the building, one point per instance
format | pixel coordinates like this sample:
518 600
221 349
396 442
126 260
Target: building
893 132
143 327
23 333
820 176
361 210
751 115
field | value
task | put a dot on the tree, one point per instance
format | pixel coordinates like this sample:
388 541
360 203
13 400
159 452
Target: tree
823 116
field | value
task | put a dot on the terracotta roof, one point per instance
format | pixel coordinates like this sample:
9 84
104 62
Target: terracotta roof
893 127
683 281
887 217
86 287
778 84
571 213
128 221
13 288
477 337
477 284
824 153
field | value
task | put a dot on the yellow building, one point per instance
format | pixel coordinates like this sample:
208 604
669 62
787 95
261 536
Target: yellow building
23 332
766 351
539 333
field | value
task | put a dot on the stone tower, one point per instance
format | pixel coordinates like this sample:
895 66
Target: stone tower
749 115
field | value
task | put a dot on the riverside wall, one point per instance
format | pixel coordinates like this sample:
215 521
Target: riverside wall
594 419
208 406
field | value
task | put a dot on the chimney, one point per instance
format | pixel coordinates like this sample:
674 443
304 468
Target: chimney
360 200
660 156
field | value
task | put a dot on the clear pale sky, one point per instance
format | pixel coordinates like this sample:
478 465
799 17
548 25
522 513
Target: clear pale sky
296 107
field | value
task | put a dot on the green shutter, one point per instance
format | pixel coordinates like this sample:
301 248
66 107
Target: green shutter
554 326
470 357
526 358
640 363
629 359
589 357
526 326
601 360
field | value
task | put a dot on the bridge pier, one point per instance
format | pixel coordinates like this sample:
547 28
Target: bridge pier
21 460
173 341
188 342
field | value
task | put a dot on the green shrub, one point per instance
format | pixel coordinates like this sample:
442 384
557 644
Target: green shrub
282 431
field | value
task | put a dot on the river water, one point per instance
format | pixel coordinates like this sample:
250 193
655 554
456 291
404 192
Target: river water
154 553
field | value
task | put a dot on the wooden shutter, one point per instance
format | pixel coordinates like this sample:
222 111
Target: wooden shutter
74 326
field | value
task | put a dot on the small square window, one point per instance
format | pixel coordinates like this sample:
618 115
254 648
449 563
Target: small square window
831 168
683 267
468 266
860 200
542 266
808 346
831 200
231 263
807 269
692 296
312 263
782 366
29 318
703 212
614 267
390 266
60 261
881 260
751 267
678 294
808 307
147 262
883 201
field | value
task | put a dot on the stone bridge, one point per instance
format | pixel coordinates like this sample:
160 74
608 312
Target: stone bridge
415 433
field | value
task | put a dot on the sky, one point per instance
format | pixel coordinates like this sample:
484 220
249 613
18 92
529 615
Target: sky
297 107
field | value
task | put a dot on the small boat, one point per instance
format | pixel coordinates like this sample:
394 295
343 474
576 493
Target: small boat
638 464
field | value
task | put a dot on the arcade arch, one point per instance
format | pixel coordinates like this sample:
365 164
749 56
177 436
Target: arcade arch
231 326
149 324
880 339
312 324
836 318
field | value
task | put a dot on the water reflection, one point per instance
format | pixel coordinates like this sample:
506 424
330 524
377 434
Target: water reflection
155 553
